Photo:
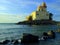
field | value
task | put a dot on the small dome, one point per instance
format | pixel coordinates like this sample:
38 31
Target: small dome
39 7
44 5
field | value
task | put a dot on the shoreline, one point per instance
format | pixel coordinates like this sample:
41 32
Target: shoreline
38 22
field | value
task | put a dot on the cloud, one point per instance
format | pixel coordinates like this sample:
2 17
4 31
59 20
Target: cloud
4 18
11 18
3 8
14 5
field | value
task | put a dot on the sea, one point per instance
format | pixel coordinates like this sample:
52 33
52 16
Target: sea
10 31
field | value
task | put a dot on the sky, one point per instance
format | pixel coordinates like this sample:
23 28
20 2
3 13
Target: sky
13 11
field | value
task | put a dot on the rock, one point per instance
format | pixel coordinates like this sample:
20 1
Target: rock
1 42
45 36
48 35
29 38
58 30
6 41
16 42
12 40
51 34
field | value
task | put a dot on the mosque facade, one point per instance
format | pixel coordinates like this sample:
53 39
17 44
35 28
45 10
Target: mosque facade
41 13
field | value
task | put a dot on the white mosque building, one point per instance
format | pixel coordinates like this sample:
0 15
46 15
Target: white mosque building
40 14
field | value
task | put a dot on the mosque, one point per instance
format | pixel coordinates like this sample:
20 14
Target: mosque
40 14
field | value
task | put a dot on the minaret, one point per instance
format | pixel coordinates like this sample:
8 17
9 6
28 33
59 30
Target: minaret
44 5
39 8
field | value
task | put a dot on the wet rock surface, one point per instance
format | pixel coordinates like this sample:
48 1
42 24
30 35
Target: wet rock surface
29 38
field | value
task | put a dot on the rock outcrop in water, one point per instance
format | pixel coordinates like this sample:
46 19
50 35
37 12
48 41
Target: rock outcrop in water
51 34
38 22
29 38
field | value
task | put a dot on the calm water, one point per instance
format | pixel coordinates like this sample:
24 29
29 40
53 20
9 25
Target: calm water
13 31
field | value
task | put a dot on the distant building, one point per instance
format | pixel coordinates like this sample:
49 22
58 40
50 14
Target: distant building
40 14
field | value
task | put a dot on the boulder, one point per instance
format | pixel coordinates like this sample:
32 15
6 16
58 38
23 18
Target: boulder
29 38
58 30
1 43
6 41
45 36
16 42
51 34
48 35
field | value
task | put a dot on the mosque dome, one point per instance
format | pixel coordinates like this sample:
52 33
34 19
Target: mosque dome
44 5
39 7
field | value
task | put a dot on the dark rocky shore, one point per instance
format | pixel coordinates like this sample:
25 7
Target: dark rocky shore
29 38
38 22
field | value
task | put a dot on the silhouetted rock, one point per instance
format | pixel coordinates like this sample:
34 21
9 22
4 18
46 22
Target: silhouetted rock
6 41
12 40
51 34
38 22
1 43
29 38
48 35
45 36
16 42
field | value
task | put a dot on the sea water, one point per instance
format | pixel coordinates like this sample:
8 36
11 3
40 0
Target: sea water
13 31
